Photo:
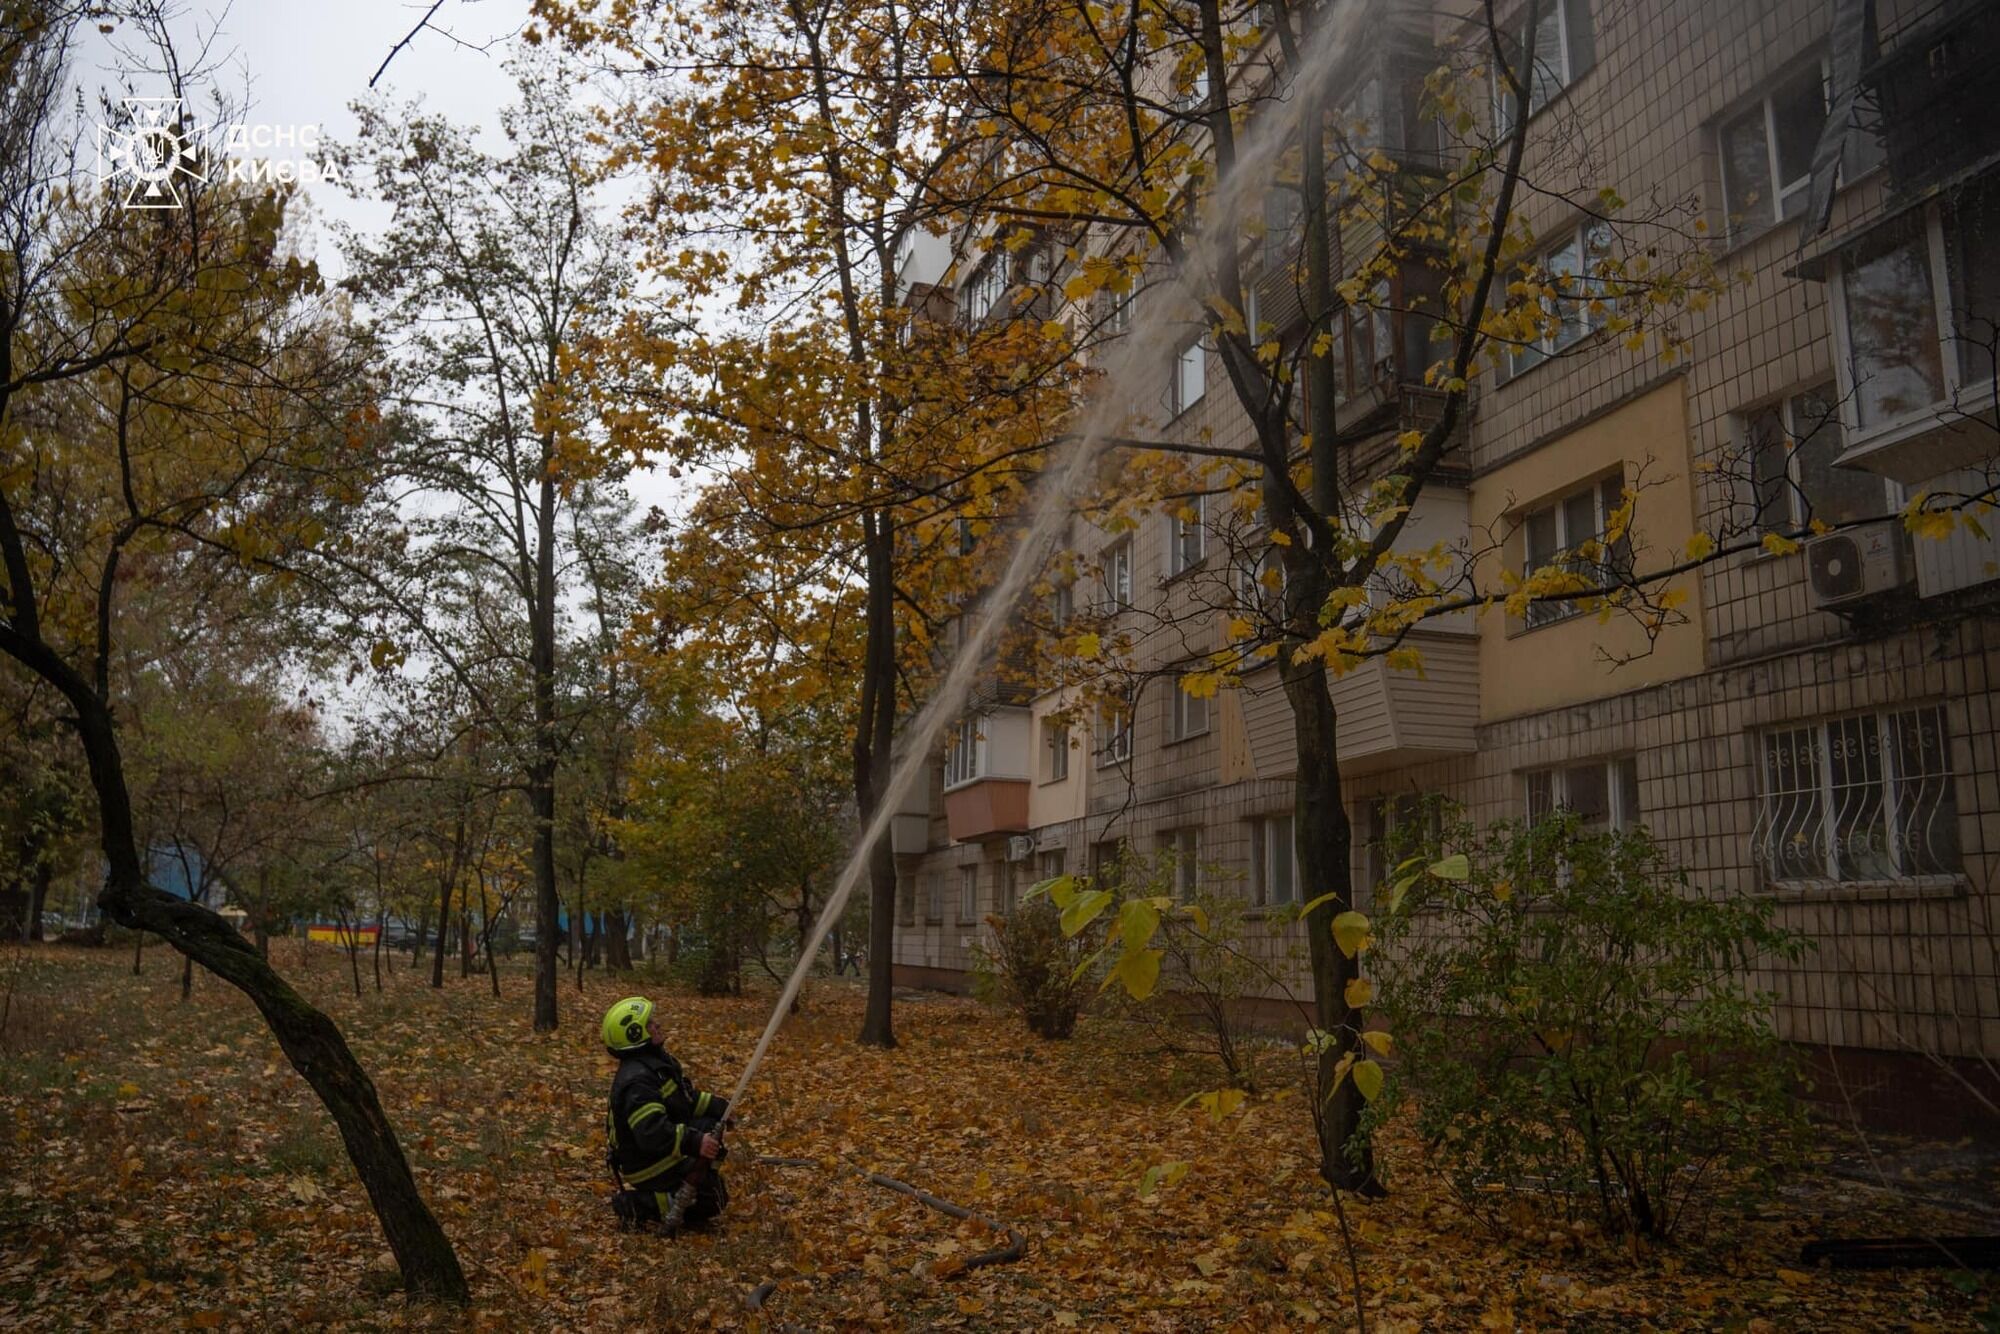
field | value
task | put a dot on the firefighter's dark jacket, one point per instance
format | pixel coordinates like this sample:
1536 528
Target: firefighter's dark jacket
657 1118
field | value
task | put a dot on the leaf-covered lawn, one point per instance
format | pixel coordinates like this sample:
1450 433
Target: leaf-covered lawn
163 1165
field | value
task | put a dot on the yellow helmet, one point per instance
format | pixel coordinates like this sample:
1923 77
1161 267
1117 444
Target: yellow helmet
626 1025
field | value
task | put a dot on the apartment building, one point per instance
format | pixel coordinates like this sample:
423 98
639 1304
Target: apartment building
1818 727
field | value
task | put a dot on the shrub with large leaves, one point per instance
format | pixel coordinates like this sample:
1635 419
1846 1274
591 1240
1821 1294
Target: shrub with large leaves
1576 1025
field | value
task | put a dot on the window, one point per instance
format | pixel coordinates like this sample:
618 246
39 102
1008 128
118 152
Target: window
1553 532
1062 604
1284 207
1053 860
1767 153
965 759
1915 306
934 898
1114 734
987 287
1190 712
1055 750
1260 584
1603 793
1574 309
968 894
1117 574
967 539
1185 847
1007 891
1274 862
1392 828
1190 376
1104 860
1194 98
1867 798
1793 445
906 901
1116 317
1564 53
1187 536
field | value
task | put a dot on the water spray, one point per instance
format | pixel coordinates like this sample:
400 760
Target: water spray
1257 149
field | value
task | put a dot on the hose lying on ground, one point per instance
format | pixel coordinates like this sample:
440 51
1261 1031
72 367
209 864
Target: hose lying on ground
1016 1247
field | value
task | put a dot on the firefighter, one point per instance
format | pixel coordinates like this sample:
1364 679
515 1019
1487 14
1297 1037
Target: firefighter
666 1136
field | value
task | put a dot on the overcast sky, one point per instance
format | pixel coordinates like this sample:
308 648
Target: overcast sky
304 61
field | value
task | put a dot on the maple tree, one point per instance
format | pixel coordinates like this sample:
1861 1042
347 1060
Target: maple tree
781 147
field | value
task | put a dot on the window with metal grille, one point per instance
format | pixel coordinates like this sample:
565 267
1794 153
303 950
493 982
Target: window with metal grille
1867 798
1569 532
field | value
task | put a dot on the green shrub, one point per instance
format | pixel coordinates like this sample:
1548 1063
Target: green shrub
1033 969
1575 1022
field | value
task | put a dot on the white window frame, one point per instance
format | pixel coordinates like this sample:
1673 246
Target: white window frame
1252 593
1586 242
1055 750
1062 604
1273 846
1187 539
968 894
1540 614
1190 376
1829 843
1185 845
1191 712
965 759
1781 191
1565 74
1117 575
1796 502
933 899
1114 734
1621 790
1051 863
989 284
1937 253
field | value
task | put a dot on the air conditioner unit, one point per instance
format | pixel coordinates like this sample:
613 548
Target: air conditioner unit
1020 847
1857 564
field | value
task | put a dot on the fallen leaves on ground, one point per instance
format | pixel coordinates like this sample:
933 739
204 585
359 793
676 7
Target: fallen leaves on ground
164 1164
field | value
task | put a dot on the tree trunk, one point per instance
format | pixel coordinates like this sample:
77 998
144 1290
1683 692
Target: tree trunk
465 946
138 954
452 867
486 937
352 930
38 898
423 935
617 941
874 746
542 771
187 979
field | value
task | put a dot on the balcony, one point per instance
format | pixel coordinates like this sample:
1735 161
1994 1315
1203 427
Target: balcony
1938 117
1388 718
986 808
987 776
